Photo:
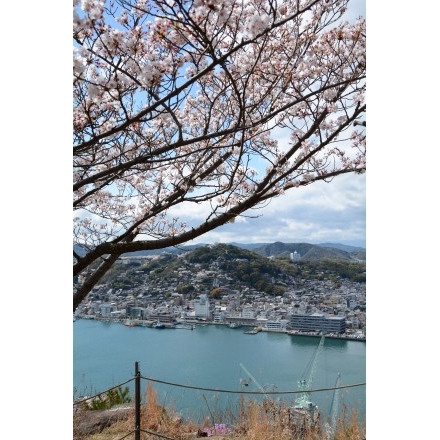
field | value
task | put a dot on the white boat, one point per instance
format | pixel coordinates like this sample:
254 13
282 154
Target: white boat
184 326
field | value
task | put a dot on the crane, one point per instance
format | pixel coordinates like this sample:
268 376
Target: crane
334 407
304 399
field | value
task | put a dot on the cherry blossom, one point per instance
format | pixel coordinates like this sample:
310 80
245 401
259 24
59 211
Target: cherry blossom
175 104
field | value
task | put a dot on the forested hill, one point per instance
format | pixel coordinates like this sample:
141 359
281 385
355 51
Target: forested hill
233 267
312 251
235 260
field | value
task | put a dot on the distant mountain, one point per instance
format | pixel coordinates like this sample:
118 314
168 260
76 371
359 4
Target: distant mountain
168 250
312 251
277 249
249 246
342 247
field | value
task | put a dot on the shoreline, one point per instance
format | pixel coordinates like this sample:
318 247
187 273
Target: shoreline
345 337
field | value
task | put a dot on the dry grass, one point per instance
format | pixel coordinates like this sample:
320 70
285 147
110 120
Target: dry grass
348 427
254 421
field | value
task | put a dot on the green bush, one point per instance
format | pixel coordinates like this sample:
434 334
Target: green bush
110 399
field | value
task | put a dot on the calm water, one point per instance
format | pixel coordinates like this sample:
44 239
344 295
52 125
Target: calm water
104 355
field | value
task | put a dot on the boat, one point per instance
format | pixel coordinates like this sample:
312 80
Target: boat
159 325
184 326
244 382
254 331
234 325
129 323
251 332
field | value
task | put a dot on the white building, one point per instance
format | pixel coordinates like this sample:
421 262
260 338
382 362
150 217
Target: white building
247 312
201 307
295 256
273 325
219 313
107 309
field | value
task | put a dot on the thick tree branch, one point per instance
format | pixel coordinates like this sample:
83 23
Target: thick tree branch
86 287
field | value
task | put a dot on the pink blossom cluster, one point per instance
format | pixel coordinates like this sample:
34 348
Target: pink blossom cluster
176 106
218 429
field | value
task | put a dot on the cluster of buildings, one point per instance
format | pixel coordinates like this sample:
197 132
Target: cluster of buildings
305 307
288 320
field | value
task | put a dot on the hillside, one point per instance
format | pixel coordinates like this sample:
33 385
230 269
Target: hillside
230 264
232 267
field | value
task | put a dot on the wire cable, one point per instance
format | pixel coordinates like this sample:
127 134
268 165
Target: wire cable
101 393
249 392
125 436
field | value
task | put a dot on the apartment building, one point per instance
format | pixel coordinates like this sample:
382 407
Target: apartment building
318 322
201 307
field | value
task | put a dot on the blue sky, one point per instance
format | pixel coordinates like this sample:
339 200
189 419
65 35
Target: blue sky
322 212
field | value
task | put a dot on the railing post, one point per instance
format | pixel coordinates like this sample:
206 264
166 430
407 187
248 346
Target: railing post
137 403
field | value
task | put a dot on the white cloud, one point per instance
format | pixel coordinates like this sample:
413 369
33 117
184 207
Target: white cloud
321 212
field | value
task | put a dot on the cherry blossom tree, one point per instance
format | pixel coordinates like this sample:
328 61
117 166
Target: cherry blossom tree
176 104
